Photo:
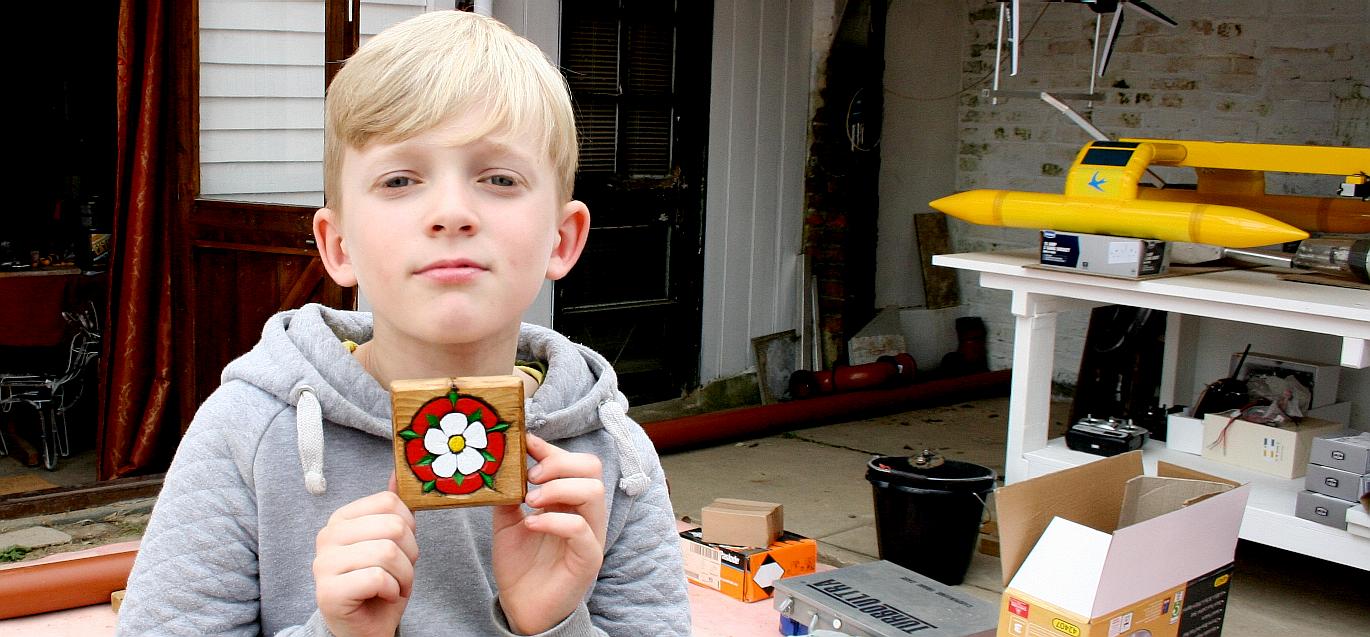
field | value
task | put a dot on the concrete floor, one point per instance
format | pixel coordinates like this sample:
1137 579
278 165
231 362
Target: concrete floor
818 474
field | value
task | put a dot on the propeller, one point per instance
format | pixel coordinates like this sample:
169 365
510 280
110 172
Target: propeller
1115 7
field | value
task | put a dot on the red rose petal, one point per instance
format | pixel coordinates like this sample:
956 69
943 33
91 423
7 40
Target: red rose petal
495 445
468 484
437 407
414 452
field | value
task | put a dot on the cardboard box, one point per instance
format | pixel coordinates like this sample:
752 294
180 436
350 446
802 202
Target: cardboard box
746 573
1348 453
1321 379
1358 521
1278 451
742 522
1323 509
1339 484
1124 257
1101 550
1184 433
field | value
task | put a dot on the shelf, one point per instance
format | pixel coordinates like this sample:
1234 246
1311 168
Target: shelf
1269 515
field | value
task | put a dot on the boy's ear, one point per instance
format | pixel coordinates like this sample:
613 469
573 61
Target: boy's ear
328 235
572 231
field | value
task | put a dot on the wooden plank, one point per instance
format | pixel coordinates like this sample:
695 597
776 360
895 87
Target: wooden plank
451 407
261 145
63 499
939 284
259 113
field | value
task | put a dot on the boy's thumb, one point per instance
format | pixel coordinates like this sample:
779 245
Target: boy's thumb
394 486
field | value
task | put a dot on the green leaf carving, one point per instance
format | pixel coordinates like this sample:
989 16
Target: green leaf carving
408 434
476 415
489 457
429 486
433 421
452 396
427 460
501 426
457 478
489 479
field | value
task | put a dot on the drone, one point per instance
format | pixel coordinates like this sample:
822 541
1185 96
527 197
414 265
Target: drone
1009 14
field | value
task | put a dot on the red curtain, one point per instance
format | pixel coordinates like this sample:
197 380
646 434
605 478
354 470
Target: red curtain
136 364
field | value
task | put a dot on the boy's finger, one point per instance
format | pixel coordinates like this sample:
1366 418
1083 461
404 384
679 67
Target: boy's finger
539 449
383 554
382 502
394 485
566 465
580 538
354 587
380 526
579 496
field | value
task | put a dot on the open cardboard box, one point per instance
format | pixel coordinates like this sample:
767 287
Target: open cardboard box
1101 550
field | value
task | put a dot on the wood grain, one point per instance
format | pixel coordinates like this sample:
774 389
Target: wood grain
505 395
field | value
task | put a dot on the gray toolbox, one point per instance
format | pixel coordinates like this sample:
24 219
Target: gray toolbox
883 599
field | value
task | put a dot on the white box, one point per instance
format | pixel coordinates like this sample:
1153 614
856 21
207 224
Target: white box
1320 378
1358 521
1183 433
1278 451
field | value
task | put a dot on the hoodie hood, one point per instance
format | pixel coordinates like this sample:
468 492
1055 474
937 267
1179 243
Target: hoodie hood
302 362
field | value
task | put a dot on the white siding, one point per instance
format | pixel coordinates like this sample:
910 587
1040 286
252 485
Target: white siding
758 131
261 95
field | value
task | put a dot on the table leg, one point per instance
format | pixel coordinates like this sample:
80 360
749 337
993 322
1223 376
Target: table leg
1034 347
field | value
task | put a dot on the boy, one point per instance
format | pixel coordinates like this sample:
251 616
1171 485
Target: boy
449 159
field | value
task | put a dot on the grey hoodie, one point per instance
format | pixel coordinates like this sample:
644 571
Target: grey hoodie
299 429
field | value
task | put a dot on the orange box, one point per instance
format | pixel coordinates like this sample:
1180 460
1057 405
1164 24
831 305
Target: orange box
746 573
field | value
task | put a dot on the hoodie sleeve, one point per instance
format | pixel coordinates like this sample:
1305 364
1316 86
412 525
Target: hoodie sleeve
641 586
196 572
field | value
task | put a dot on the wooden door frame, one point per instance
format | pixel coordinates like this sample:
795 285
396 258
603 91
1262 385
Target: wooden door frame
341 37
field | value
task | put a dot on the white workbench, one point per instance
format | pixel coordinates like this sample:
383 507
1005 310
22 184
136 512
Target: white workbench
1248 296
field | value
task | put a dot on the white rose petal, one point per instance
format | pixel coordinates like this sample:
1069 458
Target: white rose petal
469 461
475 435
435 441
446 465
453 424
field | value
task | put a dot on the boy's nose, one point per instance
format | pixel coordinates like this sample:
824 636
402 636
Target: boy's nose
452 212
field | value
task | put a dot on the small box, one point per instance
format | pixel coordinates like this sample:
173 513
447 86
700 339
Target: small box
1322 509
1339 484
1124 257
1321 379
1278 451
742 522
1358 522
1101 550
1348 453
743 573
1184 433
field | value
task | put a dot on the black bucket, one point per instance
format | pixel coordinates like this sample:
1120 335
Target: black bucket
928 512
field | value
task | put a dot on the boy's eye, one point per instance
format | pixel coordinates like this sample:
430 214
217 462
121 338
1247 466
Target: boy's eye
397 182
502 181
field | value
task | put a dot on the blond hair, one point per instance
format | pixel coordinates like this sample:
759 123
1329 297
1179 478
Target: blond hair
435 66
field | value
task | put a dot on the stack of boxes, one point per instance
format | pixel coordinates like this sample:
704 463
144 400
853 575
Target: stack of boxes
1338 477
742 549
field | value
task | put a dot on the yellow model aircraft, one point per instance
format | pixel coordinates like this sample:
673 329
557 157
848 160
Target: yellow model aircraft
1228 208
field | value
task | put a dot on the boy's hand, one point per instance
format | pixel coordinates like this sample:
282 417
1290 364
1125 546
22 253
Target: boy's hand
546 561
364 565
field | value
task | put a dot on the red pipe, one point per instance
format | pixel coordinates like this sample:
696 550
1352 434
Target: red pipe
68 580
752 422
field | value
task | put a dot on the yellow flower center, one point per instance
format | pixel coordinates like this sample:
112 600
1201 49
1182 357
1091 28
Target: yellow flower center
456 444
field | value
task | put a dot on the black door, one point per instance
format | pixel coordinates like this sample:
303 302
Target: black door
639 77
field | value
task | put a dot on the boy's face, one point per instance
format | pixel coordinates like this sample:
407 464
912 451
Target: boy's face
450 241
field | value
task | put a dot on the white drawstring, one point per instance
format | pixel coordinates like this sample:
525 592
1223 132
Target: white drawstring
309 434
615 420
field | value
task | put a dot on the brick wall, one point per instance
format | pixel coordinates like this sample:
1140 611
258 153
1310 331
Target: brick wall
1268 71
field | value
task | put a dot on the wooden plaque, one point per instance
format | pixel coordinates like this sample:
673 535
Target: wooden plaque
459 441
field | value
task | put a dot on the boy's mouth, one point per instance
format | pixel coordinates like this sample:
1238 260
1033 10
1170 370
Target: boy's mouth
451 270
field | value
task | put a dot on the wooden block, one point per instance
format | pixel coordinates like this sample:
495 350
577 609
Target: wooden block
459 441
116 599
939 284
